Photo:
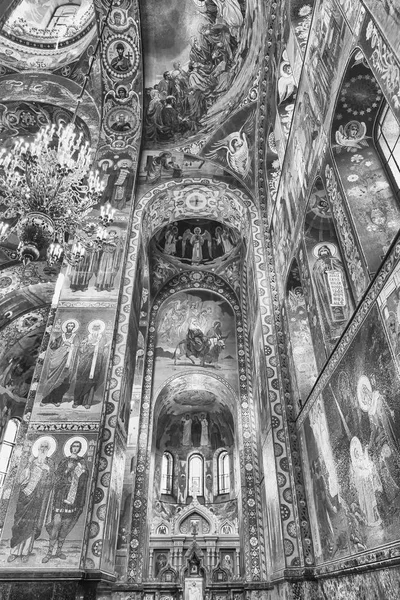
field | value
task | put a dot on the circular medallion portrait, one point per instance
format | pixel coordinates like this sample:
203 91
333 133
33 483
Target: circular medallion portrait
121 120
121 56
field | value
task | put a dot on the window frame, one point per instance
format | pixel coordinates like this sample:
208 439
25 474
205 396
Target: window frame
382 146
7 443
223 475
191 459
167 474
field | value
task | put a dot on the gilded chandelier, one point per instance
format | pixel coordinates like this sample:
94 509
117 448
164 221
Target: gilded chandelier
48 189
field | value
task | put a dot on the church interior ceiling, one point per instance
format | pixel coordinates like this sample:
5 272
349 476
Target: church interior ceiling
231 310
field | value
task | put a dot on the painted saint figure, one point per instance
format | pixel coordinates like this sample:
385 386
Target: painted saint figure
366 481
187 431
204 430
33 498
90 361
121 63
331 288
61 364
69 495
109 262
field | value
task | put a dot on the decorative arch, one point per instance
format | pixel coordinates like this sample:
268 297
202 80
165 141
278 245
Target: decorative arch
214 283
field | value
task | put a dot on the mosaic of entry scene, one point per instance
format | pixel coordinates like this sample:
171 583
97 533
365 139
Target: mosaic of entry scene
196 330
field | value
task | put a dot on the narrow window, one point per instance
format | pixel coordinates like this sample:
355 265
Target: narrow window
224 480
166 473
388 142
7 447
196 475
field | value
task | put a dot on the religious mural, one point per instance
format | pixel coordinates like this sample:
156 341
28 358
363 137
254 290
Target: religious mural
196 55
46 517
387 15
197 242
300 16
20 344
328 274
352 447
39 35
300 334
97 274
234 150
195 330
74 368
326 45
366 184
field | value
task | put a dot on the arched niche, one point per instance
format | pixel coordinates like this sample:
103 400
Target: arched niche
300 334
367 186
181 404
329 277
200 243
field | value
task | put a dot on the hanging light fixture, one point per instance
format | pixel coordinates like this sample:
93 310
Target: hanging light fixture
48 188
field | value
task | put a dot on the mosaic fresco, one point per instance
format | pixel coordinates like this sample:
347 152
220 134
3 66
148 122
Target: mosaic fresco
195 330
197 57
46 516
353 455
40 35
74 369
300 334
197 242
367 186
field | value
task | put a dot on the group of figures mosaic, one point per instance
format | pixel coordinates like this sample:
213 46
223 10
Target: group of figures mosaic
179 99
52 492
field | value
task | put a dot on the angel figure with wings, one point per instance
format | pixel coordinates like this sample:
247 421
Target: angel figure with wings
197 240
351 136
235 148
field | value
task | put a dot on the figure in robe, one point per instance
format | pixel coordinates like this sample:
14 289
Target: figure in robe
33 498
187 431
195 338
229 11
90 364
83 271
69 496
171 238
62 363
204 430
367 482
197 240
109 262
332 290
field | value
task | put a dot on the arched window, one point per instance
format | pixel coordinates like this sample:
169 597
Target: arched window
388 142
7 447
167 473
224 479
196 475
